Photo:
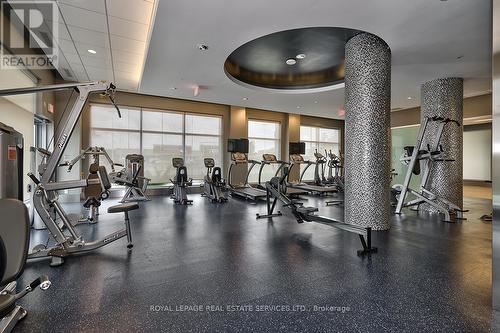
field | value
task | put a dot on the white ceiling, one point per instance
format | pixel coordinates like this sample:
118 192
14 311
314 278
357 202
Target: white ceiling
425 36
118 30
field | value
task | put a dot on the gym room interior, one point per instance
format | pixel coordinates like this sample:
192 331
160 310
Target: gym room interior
227 166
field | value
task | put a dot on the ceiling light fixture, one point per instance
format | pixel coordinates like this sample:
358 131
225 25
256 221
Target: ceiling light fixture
298 107
300 56
315 102
245 98
91 51
410 98
290 62
173 88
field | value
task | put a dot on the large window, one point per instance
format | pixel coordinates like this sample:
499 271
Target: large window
264 138
320 139
159 136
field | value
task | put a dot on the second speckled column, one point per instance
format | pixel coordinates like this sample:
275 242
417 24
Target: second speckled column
444 98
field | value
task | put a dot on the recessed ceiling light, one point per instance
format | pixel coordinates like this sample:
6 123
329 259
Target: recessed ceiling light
91 51
300 56
245 98
202 47
291 62
173 88
298 107
315 102
410 98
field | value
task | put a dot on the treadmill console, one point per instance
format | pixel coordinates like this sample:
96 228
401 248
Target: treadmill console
239 158
177 162
269 158
296 158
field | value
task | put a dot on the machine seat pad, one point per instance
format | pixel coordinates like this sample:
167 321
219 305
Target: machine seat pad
7 304
125 207
91 201
307 210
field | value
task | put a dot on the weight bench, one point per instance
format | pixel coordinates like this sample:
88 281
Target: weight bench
125 208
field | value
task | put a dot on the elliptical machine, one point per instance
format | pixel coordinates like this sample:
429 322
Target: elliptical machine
335 166
214 185
319 169
181 182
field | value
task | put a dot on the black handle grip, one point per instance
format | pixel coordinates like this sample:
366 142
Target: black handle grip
33 178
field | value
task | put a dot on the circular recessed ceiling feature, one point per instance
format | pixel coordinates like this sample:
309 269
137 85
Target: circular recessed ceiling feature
278 61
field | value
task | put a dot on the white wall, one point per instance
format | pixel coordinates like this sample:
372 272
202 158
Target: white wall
22 121
477 154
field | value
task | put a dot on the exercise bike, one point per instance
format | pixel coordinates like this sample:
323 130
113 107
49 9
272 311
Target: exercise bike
181 182
214 185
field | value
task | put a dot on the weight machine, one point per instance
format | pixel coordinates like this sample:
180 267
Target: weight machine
94 193
45 197
419 160
130 177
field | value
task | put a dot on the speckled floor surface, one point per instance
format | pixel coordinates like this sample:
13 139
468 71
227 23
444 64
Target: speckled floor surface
428 276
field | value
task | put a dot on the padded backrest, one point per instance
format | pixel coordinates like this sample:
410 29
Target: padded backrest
217 175
3 259
182 176
104 178
14 231
93 168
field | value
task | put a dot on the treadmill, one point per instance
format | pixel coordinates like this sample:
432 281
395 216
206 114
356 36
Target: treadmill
296 150
268 159
239 150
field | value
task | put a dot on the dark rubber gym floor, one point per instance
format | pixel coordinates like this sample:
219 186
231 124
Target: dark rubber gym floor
427 276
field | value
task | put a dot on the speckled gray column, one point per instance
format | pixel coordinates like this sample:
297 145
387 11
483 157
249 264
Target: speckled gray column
444 98
367 132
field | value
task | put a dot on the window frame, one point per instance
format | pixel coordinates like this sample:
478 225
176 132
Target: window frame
181 133
278 139
278 155
318 142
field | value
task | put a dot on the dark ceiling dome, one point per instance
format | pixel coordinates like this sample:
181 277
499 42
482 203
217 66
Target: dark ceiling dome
262 61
